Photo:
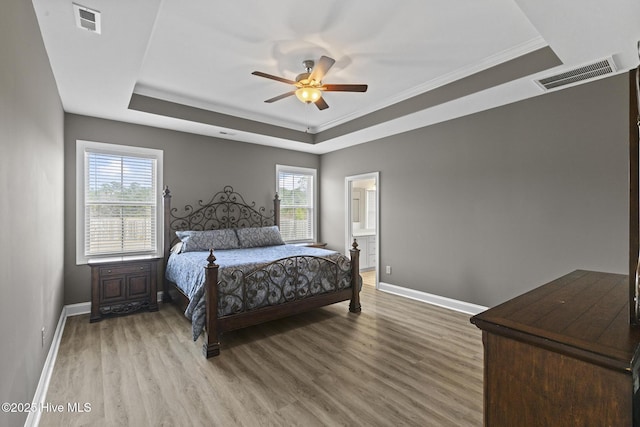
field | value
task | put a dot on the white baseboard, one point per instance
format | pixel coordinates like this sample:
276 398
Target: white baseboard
450 303
78 309
43 384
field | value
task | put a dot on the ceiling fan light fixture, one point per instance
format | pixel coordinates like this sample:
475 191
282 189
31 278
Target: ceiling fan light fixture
309 85
308 94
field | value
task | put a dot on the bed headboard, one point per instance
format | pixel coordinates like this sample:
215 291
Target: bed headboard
226 209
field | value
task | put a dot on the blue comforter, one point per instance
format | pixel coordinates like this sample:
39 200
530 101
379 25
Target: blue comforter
243 286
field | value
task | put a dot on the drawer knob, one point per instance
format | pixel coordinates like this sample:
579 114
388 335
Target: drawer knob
141 268
108 271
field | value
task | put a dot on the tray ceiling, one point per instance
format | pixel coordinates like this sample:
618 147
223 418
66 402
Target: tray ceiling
187 65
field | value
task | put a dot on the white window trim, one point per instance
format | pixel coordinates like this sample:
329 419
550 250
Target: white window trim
307 171
81 148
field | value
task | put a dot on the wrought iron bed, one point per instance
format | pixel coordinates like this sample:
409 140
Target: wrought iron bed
228 210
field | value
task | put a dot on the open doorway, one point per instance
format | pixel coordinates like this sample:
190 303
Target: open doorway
362 222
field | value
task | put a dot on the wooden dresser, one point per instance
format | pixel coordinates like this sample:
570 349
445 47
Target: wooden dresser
563 354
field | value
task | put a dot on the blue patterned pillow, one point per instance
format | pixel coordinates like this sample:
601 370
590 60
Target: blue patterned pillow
193 241
259 236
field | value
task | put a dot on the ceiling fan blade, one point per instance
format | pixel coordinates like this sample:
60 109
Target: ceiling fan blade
279 97
272 77
321 104
344 88
321 68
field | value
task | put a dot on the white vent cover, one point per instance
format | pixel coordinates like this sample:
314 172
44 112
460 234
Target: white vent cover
577 75
87 19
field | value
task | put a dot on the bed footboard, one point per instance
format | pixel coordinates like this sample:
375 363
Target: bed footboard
215 325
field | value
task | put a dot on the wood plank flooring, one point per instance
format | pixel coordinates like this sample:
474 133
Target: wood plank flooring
399 362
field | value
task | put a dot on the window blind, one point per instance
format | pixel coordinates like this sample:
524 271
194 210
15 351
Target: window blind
120 204
296 191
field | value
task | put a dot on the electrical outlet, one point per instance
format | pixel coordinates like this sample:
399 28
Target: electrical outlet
388 270
43 336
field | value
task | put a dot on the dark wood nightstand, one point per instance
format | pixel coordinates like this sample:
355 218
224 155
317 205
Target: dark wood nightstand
122 287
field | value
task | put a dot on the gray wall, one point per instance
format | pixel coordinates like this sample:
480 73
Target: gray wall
31 209
195 167
485 207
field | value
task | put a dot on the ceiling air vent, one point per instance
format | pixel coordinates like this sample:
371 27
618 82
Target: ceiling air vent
87 19
577 75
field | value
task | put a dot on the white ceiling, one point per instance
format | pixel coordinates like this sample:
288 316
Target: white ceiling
186 65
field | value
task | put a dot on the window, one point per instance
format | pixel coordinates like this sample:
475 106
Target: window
297 191
118 201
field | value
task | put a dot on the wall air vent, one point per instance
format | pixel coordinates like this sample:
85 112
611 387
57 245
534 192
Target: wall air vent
577 75
87 19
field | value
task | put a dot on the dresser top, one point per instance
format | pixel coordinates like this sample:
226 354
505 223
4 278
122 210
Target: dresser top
584 314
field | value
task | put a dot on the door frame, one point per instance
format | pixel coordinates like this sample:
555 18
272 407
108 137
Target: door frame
348 215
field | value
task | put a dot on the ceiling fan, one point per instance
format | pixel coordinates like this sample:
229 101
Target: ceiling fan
309 86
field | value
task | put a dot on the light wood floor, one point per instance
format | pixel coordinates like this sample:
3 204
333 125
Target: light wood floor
399 362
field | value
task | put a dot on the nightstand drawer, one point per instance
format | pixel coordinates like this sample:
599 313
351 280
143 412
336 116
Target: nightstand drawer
118 270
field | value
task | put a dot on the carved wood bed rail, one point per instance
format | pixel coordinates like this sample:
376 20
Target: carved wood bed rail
228 209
